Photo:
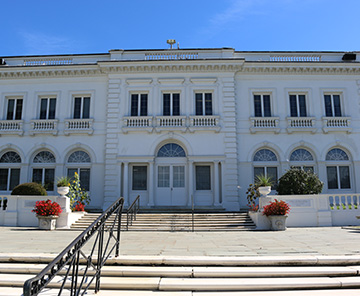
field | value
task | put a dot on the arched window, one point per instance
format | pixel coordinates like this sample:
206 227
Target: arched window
338 169
266 163
9 170
44 169
302 159
171 150
79 162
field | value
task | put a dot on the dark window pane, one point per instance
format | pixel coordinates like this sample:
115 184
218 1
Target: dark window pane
258 171
19 104
302 106
139 178
166 104
198 104
43 108
49 179
267 108
143 105
71 173
10 110
203 178
134 105
208 104
85 179
52 108
344 177
328 107
176 104
3 179
309 169
77 108
272 173
257 106
293 106
14 178
337 107
332 177
86 108
37 176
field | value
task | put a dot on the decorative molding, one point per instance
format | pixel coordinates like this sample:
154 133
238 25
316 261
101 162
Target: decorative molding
176 81
138 81
203 80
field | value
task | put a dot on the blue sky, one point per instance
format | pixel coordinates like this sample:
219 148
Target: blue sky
31 27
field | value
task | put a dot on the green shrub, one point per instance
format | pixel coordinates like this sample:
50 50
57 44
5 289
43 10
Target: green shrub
29 189
298 181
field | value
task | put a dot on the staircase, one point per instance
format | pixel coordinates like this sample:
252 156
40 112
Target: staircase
179 222
205 276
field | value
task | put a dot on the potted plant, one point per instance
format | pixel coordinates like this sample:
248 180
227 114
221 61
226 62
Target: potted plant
47 212
63 185
77 194
277 212
264 184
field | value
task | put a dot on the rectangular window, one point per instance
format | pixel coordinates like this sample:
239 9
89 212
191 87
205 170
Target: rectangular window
47 108
139 105
262 106
178 176
84 175
203 178
45 177
14 109
163 176
338 177
171 104
332 105
269 172
203 104
9 178
139 178
81 107
297 105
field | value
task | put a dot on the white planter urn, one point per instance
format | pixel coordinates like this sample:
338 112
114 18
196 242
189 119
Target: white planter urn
278 222
265 190
63 190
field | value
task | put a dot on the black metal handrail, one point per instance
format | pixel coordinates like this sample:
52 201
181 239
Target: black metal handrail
76 280
132 211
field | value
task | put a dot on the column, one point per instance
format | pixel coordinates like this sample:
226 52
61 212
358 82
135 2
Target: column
216 184
151 202
191 182
126 183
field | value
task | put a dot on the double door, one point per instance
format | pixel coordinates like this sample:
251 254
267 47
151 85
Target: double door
171 185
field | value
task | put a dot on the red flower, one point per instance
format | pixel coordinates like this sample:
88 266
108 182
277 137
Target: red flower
79 207
47 208
276 208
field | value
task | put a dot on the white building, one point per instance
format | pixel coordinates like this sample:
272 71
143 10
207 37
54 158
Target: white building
175 124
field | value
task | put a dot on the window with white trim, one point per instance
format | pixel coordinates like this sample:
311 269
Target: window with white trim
171 104
203 103
139 105
266 163
338 169
332 105
47 108
297 105
262 105
43 171
14 108
9 171
81 107
139 177
79 162
203 177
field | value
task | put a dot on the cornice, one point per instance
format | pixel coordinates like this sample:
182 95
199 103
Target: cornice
47 72
301 69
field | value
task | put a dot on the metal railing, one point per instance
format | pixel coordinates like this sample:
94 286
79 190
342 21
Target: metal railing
132 211
75 278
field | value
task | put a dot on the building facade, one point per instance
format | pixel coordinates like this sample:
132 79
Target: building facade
179 127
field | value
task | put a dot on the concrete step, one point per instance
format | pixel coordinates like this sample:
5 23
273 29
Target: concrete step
178 221
202 275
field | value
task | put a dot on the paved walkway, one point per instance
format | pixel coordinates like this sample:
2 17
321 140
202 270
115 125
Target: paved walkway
293 241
